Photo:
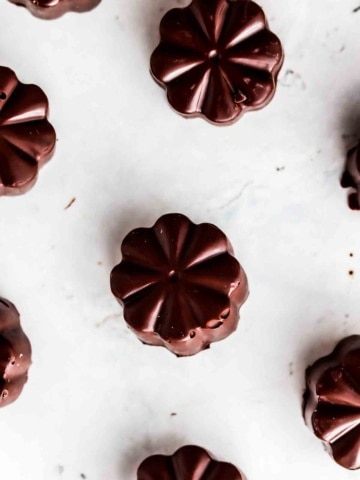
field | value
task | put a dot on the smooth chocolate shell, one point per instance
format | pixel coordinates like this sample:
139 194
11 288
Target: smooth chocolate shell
187 463
217 59
332 402
15 354
51 9
27 140
179 284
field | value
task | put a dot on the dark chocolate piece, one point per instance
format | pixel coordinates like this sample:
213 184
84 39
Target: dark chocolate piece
351 177
187 463
27 140
179 284
15 354
332 402
50 9
217 59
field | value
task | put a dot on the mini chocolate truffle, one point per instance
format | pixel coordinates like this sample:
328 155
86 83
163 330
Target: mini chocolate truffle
332 402
179 284
15 354
187 463
351 177
217 59
50 9
27 140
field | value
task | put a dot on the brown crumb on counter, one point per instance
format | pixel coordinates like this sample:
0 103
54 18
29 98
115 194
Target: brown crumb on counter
70 203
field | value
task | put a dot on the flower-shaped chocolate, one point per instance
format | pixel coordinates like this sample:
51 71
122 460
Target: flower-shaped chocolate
351 177
187 463
217 59
27 140
15 354
180 285
50 9
332 402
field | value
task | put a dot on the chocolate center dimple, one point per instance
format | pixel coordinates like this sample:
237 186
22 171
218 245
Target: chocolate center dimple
174 276
214 55
2 96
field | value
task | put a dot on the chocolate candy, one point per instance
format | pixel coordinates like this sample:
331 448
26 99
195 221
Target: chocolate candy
15 354
351 177
27 140
187 463
217 59
179 284
332 402
50 9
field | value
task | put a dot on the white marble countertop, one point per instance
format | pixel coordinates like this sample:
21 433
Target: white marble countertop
98 401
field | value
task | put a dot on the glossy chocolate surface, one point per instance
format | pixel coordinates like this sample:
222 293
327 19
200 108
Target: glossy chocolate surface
332 402
179 284
27 140
187 463
15 354
50 9
351 177
217 59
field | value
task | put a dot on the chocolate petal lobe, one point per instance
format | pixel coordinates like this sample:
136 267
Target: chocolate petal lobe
28 103
176 318
186 93
172 232
156 467
142 248
18 170
142 310
129 279
36 139
219 105
332 423
346 450
225 282
190 463
210 16
336 387
244 19
263 51
179 28
251 88
207 304
206 234
169 62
